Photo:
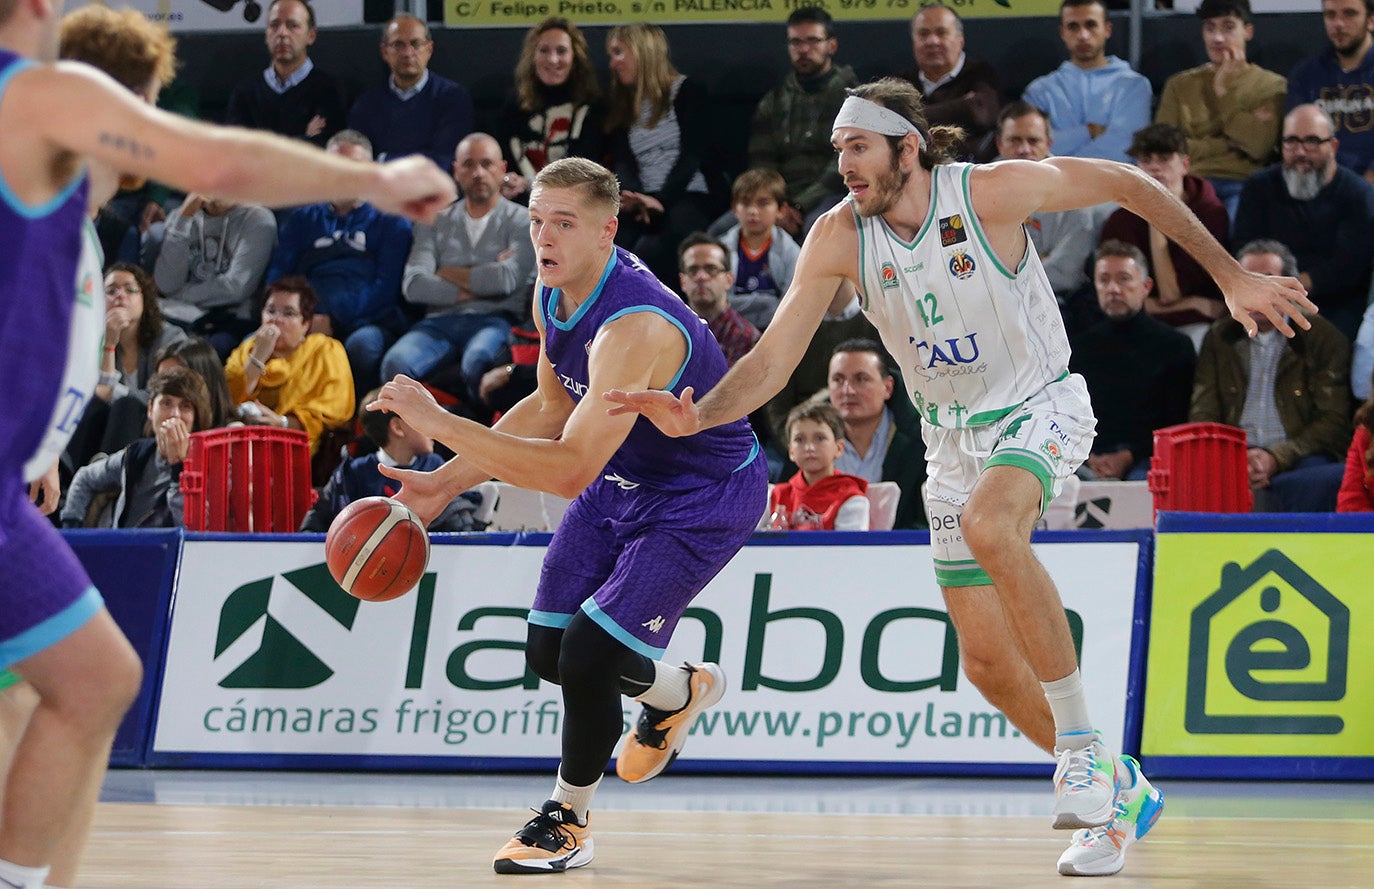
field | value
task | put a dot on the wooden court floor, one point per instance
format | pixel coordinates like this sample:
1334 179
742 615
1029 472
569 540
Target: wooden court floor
147 846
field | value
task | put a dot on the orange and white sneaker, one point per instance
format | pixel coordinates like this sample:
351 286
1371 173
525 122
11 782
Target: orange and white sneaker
660 735
551 842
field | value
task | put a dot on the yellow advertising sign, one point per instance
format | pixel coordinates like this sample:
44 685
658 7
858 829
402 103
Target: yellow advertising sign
523 13
1259 646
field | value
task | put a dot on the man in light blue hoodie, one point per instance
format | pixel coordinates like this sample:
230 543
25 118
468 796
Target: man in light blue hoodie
1095 101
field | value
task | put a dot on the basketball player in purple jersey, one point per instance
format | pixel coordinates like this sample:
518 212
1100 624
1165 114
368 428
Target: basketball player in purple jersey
54 630
654 518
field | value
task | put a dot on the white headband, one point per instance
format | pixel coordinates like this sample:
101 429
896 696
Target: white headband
868 115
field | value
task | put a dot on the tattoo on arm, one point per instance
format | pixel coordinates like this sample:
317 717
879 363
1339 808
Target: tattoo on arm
128 145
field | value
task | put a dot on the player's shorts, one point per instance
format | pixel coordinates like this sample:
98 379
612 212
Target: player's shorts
45 594
1048 435
633 558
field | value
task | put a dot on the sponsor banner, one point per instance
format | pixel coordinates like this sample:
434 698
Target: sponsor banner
825 663
234 15
1255 648
523 13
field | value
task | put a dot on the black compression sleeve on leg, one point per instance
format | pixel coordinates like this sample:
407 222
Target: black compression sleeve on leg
590 665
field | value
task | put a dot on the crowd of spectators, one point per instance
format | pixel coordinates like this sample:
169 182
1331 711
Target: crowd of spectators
285 319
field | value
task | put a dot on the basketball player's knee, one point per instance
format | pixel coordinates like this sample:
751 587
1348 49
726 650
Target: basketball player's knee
985 532
989 670
542 652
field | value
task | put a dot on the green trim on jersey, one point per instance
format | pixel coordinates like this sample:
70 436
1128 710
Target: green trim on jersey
7 679
859 227
960 572
987 418
977 227
925 226
1030 461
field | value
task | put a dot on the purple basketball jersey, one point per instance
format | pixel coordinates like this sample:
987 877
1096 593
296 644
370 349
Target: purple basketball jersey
649 457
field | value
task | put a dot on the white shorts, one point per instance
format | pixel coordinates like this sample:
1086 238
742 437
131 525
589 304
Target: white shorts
1048 435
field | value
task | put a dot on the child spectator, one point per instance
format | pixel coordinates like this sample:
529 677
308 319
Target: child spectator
762 254
1357 486
817 497
146 475
398 444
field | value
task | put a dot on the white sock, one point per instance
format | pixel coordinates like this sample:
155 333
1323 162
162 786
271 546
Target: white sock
670 689
579 799
23 877
1072 728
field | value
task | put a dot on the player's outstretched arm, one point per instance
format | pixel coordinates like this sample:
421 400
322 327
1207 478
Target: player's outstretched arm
103 121
828 258
1014 189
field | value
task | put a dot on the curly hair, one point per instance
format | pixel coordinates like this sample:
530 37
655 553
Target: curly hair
582 84
895 94
123 44
150 322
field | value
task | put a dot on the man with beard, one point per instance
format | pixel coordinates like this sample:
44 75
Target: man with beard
931 246
291 97
788 132
1139 370
1322 211
1341 80
703 269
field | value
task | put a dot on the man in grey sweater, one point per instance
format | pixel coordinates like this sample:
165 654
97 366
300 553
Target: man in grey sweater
473 270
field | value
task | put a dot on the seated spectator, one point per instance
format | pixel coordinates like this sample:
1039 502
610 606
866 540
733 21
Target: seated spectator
1064 239
472 271
291 97
353 255
1229 109
1362 364
146 474
1291 396
1357 484
762 255
556 109
1139 370
958 91
1321 211
1095 101
213 257
882 433
704 270
195 353
1340 79
817 497
416 111
134 334
1184 296
659 126
790 130
398 444
285 376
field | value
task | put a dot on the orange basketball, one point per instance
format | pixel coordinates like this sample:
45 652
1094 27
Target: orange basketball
376 549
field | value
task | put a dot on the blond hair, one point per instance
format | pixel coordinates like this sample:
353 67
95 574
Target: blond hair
599 184
654 82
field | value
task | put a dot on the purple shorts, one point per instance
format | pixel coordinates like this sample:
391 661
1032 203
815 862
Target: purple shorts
634 559
45 594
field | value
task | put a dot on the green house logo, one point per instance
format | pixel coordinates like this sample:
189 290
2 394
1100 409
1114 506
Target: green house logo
1267 646
281 660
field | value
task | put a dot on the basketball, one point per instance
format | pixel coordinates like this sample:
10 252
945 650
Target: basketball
376 549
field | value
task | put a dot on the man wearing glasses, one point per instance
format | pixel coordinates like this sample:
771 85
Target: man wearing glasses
416 111
1339 79
291 97
706 279
1321 210
790 132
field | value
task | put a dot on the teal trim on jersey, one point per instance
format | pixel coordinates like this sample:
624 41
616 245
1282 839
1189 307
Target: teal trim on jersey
977 227
555 293
960 572
1030 461
7 679
53 630
859 227
6 193
633 310
753 452
621 635
930 216
555 619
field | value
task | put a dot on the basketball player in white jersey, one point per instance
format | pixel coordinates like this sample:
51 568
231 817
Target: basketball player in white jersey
940 258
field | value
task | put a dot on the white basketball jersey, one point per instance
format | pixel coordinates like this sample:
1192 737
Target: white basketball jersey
83 356
973 339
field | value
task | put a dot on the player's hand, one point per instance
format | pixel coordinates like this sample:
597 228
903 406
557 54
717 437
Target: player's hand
413 187
421 491
46 491
413 403
1279 299
675 417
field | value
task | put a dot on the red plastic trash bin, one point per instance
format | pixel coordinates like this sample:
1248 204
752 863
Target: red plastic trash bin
247 478
1200 467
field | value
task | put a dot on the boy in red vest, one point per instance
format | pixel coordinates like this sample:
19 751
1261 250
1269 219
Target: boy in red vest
818 497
